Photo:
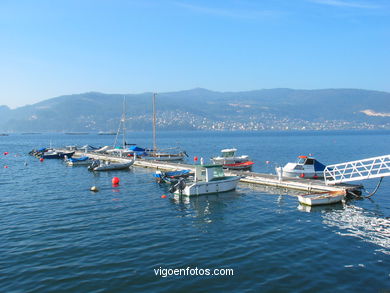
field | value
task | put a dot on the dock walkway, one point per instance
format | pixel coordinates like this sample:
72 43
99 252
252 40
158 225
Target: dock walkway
307 185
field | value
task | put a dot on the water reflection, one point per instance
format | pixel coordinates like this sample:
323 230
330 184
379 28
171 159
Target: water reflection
361 223
205 207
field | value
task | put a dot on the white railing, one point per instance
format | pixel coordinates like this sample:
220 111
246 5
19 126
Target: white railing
358 170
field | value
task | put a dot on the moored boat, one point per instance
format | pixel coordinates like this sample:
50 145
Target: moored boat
82 161
323 198
208 179
53 154
166 156
229 160
99 165
171 176
305 167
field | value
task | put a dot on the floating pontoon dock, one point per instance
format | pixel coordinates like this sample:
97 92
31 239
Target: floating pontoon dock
307 185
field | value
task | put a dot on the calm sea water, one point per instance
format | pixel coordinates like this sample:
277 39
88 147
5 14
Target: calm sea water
57 236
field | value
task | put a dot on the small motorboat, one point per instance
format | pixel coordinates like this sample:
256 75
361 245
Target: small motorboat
172 176
208 179
82 161
323 198
98 165
229 160
305 167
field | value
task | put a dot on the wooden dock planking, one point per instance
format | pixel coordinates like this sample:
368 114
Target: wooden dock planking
302 184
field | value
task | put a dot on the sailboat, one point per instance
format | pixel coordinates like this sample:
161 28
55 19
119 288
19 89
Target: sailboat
116 150
123 151
162 155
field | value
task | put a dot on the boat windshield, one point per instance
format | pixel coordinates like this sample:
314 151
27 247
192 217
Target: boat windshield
227 154
305 161
218 172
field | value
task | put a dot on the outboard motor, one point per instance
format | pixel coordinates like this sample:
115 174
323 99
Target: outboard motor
180 185
93 165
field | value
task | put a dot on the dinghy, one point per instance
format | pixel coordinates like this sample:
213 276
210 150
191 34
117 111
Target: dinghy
323 198
82 161
98 165
172 176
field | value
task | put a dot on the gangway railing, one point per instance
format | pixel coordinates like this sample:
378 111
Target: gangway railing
358 170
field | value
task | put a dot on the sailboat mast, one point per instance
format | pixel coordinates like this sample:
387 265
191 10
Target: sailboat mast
124 122
154 123
122 125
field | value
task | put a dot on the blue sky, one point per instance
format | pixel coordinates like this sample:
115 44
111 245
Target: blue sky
50 48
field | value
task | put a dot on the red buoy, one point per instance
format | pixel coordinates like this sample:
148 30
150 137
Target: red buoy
115 180
163 196
41 160
302 175
6 167
5 153
267 162
195 158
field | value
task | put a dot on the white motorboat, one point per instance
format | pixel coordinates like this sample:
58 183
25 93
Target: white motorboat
208 179
323 198
305 167
229 160
98 165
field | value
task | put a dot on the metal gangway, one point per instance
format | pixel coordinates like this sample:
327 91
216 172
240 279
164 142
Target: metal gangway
376 167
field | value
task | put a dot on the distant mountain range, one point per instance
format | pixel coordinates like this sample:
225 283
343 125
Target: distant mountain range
201 109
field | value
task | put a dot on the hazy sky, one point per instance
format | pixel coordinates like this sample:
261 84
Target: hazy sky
50 48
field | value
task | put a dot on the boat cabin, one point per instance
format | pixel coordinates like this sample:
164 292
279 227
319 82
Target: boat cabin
227 153
209 173
305 160
309 163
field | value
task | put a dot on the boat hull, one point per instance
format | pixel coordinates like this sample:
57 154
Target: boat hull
239 166
165 158
81 163
217 186
300 174
322 199
113 166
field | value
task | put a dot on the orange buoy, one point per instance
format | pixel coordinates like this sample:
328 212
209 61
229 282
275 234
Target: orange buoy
115 180
41 160
163 196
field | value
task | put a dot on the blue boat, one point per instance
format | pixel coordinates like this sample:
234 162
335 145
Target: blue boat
171 176
54 154
82 161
